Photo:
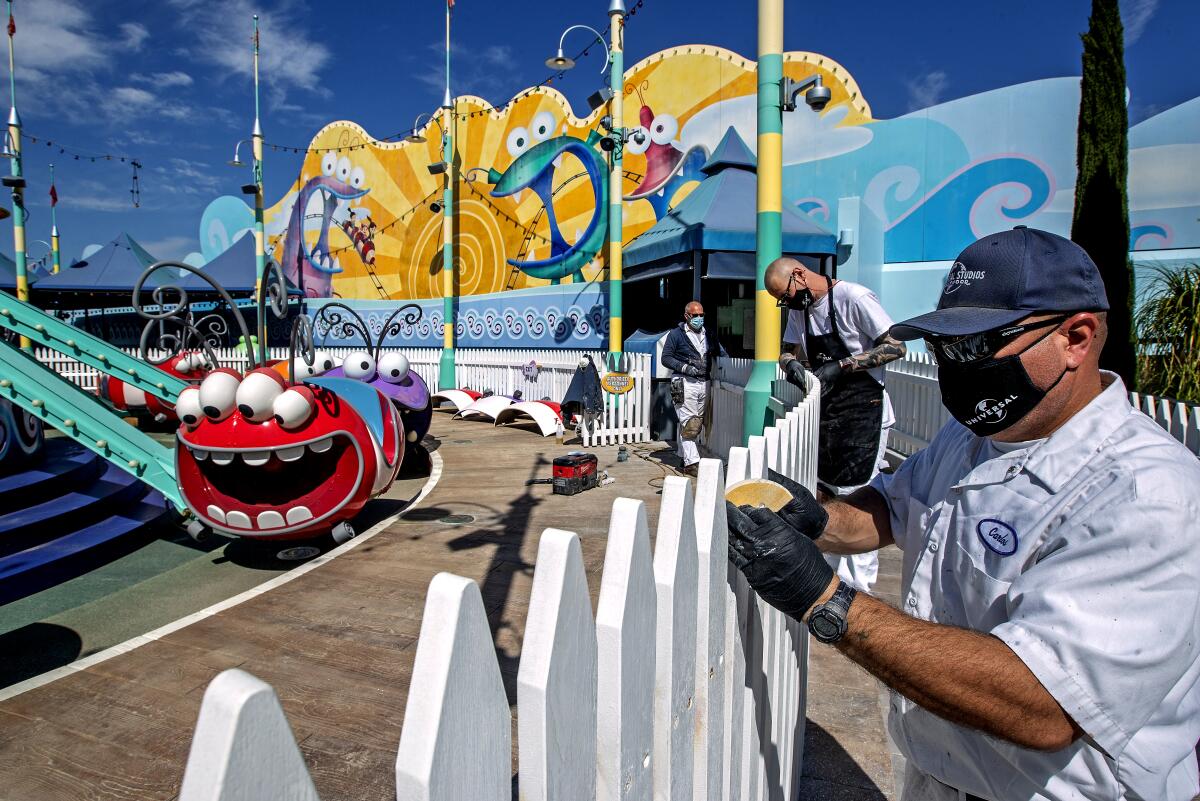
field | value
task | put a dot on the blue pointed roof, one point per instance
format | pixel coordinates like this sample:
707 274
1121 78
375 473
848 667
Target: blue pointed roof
731 151
114 267
721 215
235 269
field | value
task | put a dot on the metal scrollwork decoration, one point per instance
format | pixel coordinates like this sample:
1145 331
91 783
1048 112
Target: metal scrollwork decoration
172 328
338 317
411 316
300 341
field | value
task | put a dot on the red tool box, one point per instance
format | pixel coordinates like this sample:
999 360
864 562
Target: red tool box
575 473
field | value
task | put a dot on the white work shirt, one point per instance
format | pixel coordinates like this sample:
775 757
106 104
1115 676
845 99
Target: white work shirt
1082 553
861 321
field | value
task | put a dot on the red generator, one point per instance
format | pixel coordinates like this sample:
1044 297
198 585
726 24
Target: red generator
575 473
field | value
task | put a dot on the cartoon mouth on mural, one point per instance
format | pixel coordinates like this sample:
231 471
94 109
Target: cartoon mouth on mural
668 165
534 169
312 269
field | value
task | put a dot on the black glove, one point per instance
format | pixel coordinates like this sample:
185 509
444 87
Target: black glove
782 565
692 370
828 374
794 372
803 512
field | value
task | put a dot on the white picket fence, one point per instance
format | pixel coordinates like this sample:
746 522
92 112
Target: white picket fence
626 418
728 402
912 384
684 686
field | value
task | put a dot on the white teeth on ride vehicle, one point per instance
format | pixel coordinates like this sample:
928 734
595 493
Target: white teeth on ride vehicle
298 515
223 457
197 454
237 520
256 458
290 454
216 513
270 520
321 445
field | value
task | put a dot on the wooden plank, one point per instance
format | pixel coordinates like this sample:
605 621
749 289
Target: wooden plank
556 684
675 571
457 737
625 630
243 749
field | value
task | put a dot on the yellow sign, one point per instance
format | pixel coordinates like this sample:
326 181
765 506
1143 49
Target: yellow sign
617 383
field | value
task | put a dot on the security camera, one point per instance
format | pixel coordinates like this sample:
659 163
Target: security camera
818 97
608 144
435 207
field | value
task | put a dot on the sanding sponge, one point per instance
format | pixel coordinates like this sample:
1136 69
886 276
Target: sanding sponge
758 492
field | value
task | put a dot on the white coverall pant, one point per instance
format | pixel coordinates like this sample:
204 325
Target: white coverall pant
861 570
695 396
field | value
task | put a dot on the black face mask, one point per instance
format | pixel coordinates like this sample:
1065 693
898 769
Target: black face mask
990 395
801 299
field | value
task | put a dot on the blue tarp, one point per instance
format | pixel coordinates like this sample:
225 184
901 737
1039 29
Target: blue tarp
720 215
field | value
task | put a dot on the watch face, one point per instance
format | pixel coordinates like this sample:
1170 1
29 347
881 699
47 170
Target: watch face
825 626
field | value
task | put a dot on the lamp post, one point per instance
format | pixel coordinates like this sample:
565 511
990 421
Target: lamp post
256 188
16 182
446 373
54 225
615 65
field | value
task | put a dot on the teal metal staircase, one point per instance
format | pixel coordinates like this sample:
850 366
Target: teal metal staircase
57 402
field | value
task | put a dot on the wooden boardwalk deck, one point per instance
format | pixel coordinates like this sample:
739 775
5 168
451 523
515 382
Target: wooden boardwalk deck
336 643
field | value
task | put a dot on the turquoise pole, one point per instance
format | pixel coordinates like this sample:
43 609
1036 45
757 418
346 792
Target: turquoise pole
54 228
18 192
260 241
446 372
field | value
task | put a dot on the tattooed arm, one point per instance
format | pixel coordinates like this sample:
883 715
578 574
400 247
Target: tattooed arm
887 349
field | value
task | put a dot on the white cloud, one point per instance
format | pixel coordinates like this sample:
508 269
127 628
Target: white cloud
133 34
289 58
1136 14
926 90
132 96
163 80
170 247
106 203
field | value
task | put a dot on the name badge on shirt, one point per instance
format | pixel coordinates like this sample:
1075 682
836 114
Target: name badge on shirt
997 536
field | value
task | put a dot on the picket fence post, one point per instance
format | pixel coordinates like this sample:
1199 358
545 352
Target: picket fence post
456 742
243 748
556 680
625 625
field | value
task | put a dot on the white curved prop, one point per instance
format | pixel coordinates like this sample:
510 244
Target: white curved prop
543 415
487 407
456 397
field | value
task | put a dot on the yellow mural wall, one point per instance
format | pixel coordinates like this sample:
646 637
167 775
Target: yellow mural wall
399 232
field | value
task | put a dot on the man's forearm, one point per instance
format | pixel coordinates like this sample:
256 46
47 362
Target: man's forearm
886 349
963 676
858 523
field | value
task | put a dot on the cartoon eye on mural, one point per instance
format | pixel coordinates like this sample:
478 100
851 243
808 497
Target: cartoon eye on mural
668 165
536 157
312 269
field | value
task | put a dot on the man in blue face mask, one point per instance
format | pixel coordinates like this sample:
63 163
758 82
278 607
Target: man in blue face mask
690 352
1046 642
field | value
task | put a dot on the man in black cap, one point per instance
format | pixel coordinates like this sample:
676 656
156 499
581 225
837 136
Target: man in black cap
1047 645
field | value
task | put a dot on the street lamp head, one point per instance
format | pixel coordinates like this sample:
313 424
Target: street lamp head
236 163
415 139
560 61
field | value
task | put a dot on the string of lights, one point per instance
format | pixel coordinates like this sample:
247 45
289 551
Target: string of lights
339 148
79 155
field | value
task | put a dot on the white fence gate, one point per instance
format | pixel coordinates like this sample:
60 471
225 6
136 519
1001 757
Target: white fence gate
684 686
912 384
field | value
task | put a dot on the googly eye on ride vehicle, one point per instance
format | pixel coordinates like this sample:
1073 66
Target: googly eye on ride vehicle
393 376
260 458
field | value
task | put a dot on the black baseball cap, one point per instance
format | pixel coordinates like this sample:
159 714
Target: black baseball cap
1007 276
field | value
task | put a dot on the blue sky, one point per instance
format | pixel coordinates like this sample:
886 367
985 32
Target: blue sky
169 82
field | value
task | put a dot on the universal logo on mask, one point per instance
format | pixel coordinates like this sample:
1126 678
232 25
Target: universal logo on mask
990 410
959 277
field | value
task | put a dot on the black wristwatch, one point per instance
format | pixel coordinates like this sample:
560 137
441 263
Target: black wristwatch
828 621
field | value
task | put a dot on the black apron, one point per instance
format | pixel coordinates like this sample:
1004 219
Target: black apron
851 412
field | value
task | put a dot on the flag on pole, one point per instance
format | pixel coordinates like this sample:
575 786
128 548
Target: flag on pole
449 3
53 196
12 25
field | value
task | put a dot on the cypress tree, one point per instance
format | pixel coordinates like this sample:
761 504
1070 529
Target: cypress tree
1101 221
